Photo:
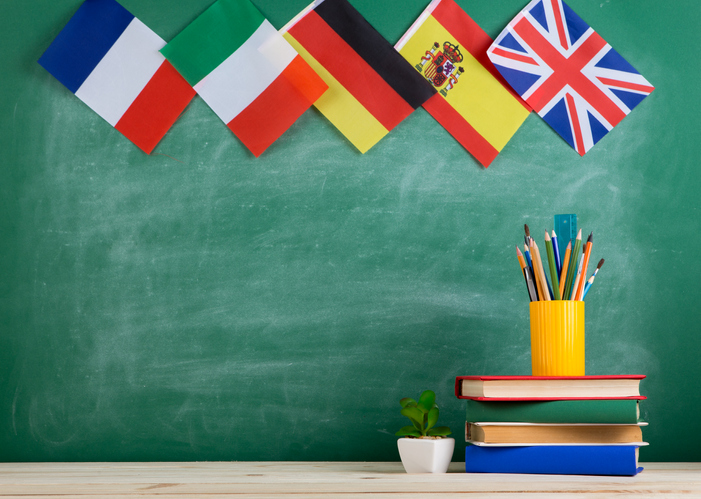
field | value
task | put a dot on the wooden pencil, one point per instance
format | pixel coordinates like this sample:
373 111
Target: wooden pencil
556 252
575 285
521 261
565 266
552 266
587 254
535 256
574 260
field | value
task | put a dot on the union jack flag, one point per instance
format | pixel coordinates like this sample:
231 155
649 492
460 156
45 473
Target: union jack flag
567 73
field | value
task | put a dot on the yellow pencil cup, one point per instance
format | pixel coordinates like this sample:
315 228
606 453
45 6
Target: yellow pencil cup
557 338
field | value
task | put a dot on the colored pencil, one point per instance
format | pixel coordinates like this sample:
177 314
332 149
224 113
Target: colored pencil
521 260
556 252
553 267
575 285
587 254
574 259
591 279
529 283
565 266
537 261
535 272
527 255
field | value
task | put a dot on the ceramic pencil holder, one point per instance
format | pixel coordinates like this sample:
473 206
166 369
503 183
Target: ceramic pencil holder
557 338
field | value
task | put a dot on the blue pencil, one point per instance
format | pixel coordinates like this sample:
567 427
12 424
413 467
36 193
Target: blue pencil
527 253
556 251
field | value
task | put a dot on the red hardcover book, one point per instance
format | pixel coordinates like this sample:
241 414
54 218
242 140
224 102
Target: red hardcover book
521 388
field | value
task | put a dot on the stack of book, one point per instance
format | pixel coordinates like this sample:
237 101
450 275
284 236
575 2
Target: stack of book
583 425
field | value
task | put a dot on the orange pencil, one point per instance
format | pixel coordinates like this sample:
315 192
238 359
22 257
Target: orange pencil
521 260
563 273
587 254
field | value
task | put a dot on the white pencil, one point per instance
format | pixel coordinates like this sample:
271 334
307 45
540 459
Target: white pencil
579 275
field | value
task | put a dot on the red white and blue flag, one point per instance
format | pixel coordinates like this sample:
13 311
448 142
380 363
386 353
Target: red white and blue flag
567 73
111 61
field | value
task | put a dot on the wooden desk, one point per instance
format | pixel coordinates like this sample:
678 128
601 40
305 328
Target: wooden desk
242 480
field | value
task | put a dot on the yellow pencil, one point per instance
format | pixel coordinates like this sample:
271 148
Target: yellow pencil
563 273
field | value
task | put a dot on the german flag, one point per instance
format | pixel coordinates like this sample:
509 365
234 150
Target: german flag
474 103
372 88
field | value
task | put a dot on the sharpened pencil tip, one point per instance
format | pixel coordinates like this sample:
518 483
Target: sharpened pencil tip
518 251
547 236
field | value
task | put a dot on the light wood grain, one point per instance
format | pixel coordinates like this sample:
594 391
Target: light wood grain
329 479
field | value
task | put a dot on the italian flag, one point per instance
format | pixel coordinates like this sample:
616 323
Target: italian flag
245 71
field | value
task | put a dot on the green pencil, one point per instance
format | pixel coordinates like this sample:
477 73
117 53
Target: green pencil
574 261
553 267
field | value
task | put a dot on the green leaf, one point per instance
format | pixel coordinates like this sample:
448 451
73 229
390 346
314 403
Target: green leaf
426 401
406 401
414 414
408 431
432 417
439 431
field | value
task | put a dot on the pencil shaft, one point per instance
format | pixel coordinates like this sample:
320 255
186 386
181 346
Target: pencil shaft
563 272
541 273
574 260
521 260
553 267
582 281
529 283
556 252
527 255
536 272
577 278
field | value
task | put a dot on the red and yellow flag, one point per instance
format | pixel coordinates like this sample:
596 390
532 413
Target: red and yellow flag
473 102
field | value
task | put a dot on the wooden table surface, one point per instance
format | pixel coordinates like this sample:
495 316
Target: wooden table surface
261 480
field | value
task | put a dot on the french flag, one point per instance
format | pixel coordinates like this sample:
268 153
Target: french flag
111 61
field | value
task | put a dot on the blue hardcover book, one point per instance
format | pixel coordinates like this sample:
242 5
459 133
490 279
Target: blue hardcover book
554 459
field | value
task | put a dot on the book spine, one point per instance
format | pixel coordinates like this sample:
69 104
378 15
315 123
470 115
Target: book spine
622 411
559 460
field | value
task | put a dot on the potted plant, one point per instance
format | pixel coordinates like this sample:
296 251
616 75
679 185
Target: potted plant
424 448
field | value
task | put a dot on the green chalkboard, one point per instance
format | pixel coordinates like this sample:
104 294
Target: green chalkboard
202 304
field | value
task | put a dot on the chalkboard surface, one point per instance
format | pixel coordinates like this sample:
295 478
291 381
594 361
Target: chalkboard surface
202 304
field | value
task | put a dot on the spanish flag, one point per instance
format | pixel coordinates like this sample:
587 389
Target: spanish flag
245 71
371 87
473 102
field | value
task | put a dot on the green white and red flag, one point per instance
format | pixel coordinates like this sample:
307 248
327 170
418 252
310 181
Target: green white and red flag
245 71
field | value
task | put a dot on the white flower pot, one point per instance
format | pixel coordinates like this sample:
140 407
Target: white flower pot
426 455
